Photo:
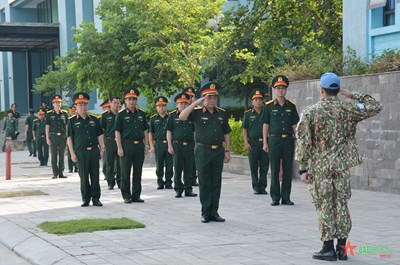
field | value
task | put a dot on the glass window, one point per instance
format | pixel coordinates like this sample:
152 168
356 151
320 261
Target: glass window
389 13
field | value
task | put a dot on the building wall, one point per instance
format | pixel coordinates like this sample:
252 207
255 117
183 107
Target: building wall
378 137
363 29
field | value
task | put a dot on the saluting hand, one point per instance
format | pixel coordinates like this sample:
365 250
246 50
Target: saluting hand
345 92
201 100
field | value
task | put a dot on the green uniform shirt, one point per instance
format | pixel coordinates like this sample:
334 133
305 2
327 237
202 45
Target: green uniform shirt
29 121
84 132
158 126
57 122
210 127
107 122
182 131
253 122
10 125
39 127
280 118
130 124
16 115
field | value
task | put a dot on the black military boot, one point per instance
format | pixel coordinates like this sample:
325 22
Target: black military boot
327 252
341 243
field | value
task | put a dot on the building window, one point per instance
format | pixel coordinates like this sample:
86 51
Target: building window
389 13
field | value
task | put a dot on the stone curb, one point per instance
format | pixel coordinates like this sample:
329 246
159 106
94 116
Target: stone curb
31 247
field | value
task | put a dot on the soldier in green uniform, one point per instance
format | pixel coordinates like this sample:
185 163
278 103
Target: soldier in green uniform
56 125
181 145
107 122
17 116
280 119
131 137
39 137
253 140
71 164
86 144
326 150
44 107
28 133
212 129
9 129
106 107
158 144
191 92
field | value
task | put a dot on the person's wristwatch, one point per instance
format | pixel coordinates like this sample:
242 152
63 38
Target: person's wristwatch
301 172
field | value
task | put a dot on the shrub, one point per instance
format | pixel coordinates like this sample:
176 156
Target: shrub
237 143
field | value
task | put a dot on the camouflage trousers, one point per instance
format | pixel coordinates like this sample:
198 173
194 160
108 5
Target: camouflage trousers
330 194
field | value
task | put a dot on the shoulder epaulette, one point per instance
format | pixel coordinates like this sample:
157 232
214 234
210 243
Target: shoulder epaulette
121 110
72 116
291 102
64 111
139 109
172 112
35 119
153 115
198 107
220 109
49 111
106 111
269 102
247 110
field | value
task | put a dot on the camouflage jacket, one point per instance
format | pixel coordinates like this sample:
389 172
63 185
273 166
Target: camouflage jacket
326 133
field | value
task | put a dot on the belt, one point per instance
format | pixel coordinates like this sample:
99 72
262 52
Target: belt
57 133
133 141
162 141
89 148
213 147
183 142
256 139
279 135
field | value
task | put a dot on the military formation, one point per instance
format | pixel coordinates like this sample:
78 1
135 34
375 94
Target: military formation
193 142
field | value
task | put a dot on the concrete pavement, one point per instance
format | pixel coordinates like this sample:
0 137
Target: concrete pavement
254 233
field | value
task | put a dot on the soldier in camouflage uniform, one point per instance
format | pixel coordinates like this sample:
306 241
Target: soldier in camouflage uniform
326 150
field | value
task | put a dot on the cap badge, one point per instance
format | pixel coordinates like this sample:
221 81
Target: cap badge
212 86
183 96
161 99
280 79
80 96
132 91
257 92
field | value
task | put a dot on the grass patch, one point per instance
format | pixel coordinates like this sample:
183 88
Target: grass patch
9 194
88 225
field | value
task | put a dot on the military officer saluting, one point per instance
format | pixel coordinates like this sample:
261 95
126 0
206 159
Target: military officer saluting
253 140
191 92
107 122
212 129
158 143
280 119
56 125
85 143
131 137
39 137
181 144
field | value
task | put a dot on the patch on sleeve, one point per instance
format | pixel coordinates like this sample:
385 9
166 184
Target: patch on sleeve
361 106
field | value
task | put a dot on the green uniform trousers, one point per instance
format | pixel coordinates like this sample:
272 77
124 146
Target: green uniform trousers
104 170
30 143
194 172
330 194
57 149
133 156
42 150
281 148
89 164
163 158
113 169
183 161
209 167
259 163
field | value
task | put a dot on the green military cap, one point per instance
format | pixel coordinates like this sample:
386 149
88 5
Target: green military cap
41 111
189 90
161 100
182 97
280 80
131 93
105 104
80 97
210 88
56 98
72 108
257 93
